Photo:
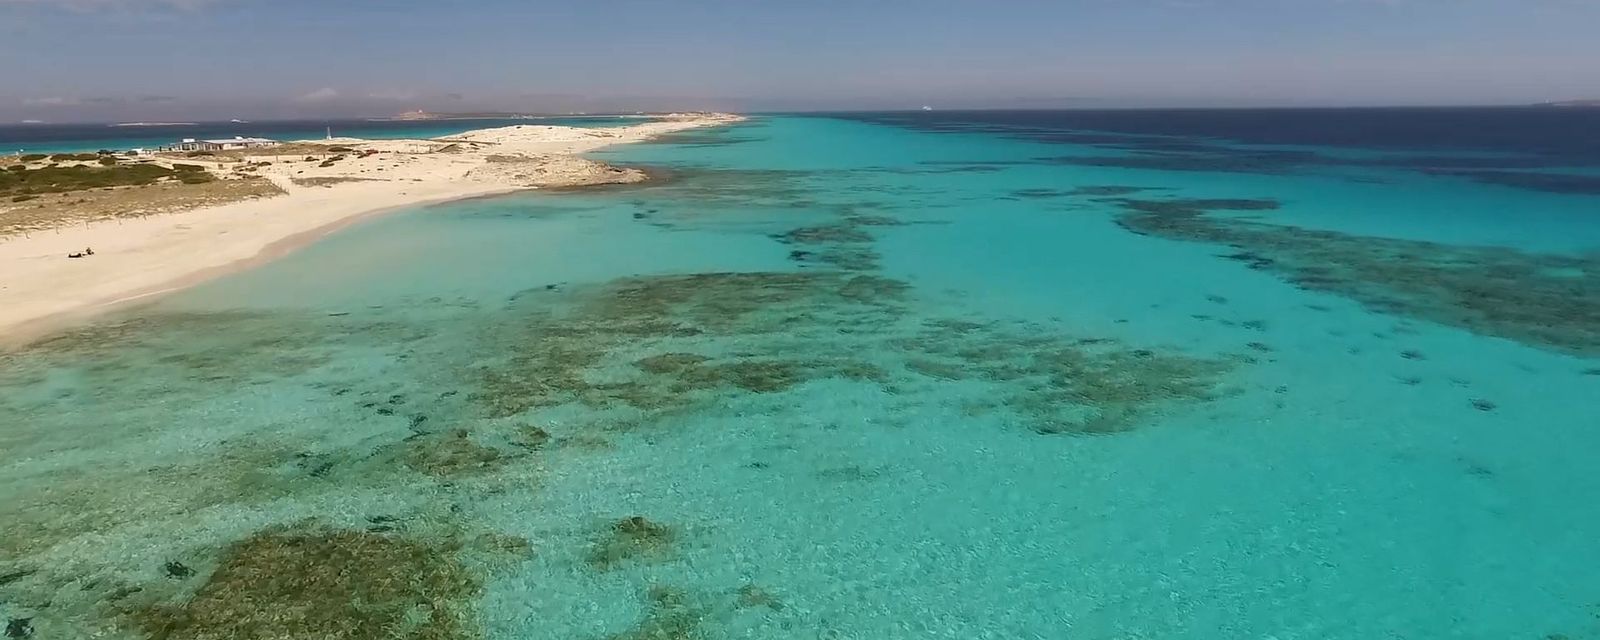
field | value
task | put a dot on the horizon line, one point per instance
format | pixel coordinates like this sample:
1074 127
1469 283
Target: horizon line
509 115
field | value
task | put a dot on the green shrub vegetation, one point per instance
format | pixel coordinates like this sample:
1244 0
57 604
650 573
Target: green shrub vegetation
62 157
33 157
107 161
75 178
23 198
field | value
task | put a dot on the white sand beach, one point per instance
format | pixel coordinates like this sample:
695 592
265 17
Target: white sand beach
135 257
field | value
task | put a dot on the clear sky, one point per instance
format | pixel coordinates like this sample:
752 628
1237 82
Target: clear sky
74 60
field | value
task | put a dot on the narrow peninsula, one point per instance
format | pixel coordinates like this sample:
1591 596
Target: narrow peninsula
145 223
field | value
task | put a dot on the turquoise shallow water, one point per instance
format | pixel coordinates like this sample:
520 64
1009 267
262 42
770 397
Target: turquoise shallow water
839 378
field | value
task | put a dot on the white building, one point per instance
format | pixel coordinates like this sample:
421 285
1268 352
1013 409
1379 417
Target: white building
236 142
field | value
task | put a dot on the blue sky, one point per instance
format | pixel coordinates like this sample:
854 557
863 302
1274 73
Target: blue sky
121 59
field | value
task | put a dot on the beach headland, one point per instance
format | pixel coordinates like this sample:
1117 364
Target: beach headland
324 184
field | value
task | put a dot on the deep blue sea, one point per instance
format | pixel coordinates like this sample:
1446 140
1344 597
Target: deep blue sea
1308 374
74 138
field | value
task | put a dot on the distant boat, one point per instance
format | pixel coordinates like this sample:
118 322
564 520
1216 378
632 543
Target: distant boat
927 108
152 124
32 122
238 121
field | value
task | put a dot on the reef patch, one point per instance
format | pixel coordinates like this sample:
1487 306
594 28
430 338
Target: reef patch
672 614
1096 387
631 539
450 454
655 346
1551 301
286 584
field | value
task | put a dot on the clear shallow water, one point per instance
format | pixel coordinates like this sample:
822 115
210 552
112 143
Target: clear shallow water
74 138
857 377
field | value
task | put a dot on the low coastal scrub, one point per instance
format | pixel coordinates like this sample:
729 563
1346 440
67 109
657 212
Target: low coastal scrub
78 178
329 181
25 212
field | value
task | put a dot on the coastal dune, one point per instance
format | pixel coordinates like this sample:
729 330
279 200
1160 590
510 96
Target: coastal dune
326 184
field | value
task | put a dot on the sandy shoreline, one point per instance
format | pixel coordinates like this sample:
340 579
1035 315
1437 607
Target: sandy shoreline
41 290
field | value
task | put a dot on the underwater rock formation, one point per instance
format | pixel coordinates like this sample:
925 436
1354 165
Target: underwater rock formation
286 584
450 454
672 615
752 596
825 234
730 189
795 328
1090 191
1091 387
634 538
1544 300
845 245
555 356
